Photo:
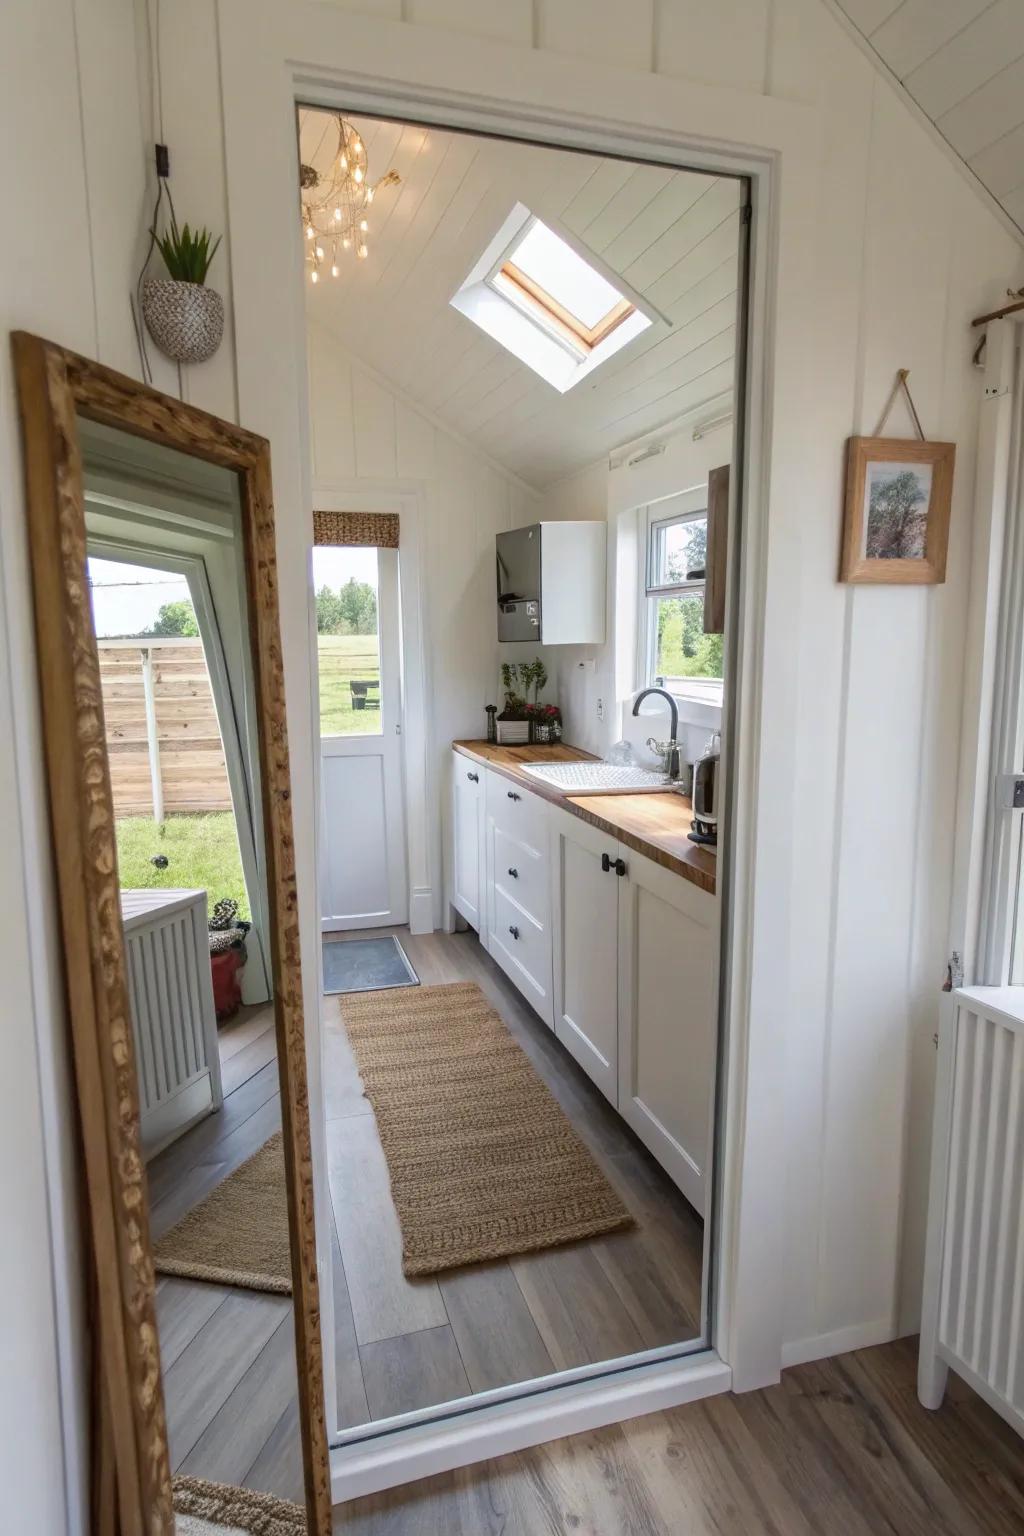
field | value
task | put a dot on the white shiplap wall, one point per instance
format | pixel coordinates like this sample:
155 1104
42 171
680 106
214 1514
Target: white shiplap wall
962 61
672 235
872 917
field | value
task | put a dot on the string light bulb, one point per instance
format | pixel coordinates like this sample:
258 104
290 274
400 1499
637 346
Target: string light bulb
314 276
336 191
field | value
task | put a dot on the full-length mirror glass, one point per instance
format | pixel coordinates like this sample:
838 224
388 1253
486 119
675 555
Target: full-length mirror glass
170 615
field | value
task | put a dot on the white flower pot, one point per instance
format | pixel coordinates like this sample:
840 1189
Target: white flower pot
186 320
513 733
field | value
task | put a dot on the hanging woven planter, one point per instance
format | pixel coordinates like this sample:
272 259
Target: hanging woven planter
186 320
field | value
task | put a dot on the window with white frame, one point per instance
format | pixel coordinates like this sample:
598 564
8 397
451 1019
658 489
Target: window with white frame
675 653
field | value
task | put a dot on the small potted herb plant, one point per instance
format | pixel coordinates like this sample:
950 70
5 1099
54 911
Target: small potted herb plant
183 316
514 721
524 719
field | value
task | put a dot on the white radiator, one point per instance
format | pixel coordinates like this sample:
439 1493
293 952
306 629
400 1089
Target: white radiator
973 1312
170 993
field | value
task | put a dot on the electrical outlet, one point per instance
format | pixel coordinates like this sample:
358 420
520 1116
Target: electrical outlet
600 709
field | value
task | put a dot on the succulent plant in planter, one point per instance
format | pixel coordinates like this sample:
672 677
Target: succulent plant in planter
183 316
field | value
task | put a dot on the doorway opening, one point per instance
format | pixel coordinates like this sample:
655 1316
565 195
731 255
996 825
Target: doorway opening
587 945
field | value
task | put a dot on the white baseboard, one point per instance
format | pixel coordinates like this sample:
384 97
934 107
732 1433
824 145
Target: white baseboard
389 1460
421 910
839 1342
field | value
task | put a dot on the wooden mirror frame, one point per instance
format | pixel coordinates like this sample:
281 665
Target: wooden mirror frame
56 386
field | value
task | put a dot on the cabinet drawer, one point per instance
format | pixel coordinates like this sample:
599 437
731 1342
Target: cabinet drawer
521 873
518 813
522 947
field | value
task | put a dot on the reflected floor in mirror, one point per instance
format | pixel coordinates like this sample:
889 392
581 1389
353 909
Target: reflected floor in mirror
228 1353
405 1344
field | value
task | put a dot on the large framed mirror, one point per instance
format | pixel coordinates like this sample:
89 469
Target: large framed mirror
161 682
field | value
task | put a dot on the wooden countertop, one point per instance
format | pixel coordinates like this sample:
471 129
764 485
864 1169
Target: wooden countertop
655 825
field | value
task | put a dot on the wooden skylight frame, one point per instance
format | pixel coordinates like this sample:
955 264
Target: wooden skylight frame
534 297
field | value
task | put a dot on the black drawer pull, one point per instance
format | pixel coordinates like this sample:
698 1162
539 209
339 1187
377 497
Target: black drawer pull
513 796
475 777
514 931
608 864
514 873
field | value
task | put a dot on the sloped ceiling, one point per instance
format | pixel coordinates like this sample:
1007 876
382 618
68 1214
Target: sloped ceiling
962 61
673 236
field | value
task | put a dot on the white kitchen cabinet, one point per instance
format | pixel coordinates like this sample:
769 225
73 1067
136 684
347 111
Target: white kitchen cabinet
616 953
584 903
517 885
468 840
668 1028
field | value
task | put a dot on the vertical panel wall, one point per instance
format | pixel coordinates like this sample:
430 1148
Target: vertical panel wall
904 252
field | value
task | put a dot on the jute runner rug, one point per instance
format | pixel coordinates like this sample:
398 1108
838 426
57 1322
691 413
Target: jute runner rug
238 1235
483 1161
214 1509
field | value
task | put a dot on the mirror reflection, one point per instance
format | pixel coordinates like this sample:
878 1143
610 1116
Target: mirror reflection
170 614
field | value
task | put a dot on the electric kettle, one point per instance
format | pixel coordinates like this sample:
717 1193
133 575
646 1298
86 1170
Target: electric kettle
705 794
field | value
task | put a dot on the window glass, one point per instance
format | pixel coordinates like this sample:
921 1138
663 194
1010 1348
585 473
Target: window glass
681 648
571 282
679 551
348 640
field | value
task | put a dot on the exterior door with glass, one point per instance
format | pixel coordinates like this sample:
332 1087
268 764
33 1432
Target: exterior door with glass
363 882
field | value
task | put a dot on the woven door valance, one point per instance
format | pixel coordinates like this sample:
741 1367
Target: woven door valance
379 529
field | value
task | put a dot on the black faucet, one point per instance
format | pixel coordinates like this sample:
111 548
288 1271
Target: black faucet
673 755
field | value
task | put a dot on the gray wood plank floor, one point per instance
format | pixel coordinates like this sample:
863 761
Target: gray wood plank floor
402 1345
420 1343
839 1448
228 1355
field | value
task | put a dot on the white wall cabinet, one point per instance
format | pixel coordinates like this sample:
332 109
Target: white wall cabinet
468 840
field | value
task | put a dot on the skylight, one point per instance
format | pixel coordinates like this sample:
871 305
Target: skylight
543 273
556 309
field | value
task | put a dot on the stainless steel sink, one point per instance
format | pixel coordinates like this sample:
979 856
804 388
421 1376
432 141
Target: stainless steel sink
598 778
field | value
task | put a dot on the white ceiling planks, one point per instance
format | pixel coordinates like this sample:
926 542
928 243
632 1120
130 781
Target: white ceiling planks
673 236
962 61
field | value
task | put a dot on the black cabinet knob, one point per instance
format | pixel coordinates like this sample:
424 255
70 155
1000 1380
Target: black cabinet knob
475 777
514 931
608 864
513 796
514 873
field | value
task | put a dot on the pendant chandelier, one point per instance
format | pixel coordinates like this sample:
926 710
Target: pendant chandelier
336 202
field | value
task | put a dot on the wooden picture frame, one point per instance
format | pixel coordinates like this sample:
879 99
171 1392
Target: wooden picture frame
55 387
896 511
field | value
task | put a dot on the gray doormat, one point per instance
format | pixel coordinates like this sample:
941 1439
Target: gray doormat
366 965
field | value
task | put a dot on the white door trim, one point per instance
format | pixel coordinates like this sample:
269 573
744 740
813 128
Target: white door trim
496 1429
368 64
